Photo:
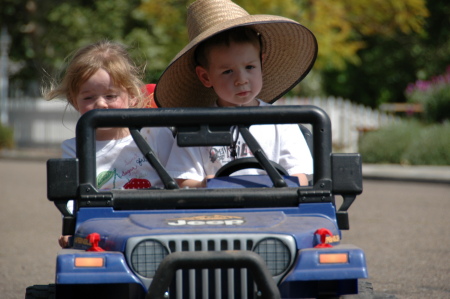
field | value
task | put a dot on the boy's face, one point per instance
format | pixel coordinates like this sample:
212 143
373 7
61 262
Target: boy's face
234 72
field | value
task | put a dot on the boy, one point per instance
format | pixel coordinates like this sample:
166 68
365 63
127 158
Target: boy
229 57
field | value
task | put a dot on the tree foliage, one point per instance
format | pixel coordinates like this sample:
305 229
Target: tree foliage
361 42
390 62
45 32
338 25
354 36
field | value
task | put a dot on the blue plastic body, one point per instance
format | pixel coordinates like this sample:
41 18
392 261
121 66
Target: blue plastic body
116 227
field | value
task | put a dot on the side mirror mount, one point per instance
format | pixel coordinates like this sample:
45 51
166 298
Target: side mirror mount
62 179
347 182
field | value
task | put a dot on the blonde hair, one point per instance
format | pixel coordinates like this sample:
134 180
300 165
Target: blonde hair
111 56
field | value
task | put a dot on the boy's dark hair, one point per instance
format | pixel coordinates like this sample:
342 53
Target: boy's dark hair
237 35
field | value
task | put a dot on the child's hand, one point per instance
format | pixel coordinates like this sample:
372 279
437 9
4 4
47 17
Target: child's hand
205 180
183 183
302 179
64 241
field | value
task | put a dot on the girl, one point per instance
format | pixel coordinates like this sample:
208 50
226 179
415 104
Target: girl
102 76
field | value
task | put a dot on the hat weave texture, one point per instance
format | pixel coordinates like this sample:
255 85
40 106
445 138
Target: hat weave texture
290 51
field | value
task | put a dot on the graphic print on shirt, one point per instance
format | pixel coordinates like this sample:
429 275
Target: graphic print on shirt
128 173
104 177
136 183
222 154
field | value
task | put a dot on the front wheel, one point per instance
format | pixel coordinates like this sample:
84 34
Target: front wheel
365 291
40 292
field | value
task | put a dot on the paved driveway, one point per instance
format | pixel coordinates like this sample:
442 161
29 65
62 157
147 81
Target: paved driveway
30 226
403 228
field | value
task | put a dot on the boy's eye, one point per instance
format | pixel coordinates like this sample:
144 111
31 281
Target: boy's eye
250 67
227 72
111 96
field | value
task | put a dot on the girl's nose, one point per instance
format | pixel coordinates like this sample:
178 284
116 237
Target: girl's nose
101 103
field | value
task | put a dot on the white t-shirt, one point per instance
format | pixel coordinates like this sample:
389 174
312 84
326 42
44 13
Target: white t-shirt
120 163
283 144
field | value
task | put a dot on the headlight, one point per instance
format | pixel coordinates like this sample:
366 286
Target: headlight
146 257
275 253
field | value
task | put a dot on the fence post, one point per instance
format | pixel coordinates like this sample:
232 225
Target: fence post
5 41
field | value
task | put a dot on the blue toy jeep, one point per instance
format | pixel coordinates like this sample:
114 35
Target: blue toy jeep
240 237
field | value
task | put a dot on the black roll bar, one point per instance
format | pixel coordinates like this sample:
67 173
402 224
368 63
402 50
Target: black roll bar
179 117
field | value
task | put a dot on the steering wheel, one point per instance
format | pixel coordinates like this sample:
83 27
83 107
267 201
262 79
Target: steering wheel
244 163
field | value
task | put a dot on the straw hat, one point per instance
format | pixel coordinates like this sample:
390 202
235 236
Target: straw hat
290 51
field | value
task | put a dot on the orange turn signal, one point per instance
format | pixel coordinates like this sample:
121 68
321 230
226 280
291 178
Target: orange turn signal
94 262
333 258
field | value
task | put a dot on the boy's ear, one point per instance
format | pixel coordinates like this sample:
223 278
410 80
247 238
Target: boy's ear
203 76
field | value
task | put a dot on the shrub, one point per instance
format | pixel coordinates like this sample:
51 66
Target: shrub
434 95
408 142
430 147
388 144
6 137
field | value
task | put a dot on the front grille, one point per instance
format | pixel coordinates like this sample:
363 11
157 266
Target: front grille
277 250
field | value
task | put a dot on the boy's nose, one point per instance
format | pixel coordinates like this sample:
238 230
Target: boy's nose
241 79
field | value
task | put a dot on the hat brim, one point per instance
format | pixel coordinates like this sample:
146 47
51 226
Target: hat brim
290 52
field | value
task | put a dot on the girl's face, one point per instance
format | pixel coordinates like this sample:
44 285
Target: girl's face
99 92
235 74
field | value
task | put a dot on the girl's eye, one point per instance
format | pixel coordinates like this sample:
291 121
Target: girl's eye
227 72
87 98
250 67
111 96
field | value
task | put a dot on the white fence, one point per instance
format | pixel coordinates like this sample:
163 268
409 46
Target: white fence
46 124
38 123
348 120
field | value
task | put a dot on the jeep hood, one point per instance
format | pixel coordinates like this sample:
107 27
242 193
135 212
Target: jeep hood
115 231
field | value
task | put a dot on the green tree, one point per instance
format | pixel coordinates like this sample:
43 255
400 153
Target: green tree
339 25
390 62
343 29
45 32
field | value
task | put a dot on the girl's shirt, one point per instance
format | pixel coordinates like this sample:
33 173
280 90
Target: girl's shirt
120 163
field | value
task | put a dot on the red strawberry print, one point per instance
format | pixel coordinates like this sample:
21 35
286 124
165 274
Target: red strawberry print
137 184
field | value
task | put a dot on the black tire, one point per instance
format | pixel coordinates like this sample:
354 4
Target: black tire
365 291
40 292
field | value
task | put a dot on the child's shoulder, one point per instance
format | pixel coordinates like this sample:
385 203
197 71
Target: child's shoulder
262 103
69 143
